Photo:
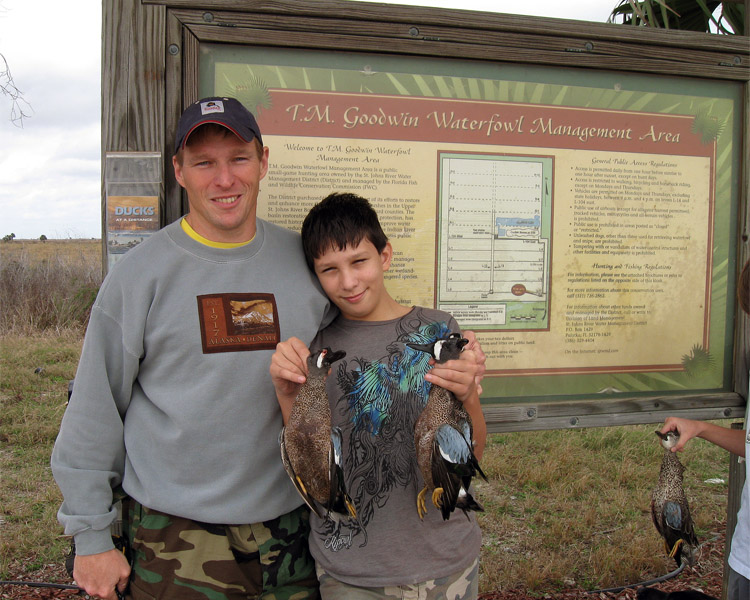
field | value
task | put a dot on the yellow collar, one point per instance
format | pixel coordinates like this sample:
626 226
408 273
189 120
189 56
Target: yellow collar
206 242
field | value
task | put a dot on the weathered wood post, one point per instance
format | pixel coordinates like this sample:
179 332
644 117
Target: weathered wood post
736 482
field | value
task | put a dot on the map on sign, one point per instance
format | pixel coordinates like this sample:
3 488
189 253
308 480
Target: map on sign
494 239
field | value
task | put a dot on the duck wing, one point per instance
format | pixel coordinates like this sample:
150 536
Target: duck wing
453 467
678 531
309 500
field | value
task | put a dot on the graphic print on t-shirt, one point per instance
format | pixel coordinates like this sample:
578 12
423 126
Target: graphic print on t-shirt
381 402
238 322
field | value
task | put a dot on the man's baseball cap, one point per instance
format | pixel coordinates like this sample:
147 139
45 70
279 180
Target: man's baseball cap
228 112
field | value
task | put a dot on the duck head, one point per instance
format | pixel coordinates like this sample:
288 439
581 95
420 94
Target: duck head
322 360
443 349
669 439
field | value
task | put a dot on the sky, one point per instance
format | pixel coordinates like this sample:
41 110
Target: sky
50 168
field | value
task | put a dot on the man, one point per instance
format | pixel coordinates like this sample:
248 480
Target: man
173 401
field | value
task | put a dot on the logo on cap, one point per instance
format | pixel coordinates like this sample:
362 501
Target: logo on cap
212 106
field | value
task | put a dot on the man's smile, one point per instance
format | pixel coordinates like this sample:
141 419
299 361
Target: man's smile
227 199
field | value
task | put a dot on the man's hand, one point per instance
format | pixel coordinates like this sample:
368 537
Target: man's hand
99 574
289 372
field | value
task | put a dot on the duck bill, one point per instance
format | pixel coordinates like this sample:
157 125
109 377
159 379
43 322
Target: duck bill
332 357
421 347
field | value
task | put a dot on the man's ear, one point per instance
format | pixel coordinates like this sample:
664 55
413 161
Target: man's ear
264 162
177 170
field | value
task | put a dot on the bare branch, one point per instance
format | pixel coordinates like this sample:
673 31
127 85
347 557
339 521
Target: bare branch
19 108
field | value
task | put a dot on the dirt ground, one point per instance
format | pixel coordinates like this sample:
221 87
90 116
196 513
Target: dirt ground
705 576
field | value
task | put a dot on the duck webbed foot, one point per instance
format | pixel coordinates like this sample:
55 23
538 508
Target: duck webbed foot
421 503
673 552
437 497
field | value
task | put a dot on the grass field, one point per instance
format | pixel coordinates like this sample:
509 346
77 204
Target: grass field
66 250
48 285
563 508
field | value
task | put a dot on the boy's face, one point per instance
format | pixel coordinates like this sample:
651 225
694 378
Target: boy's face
353 280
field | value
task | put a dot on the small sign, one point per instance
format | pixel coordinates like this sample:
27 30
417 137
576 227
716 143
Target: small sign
133 182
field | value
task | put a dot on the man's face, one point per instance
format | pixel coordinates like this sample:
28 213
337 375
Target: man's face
221 175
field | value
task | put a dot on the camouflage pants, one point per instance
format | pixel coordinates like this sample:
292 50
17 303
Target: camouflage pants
180 559
458 586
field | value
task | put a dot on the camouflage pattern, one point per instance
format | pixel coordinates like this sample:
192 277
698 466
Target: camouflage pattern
176 558
458 586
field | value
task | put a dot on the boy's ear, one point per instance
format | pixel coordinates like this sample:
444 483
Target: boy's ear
386 255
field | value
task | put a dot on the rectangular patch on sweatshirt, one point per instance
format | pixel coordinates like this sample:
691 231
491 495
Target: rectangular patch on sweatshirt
238 322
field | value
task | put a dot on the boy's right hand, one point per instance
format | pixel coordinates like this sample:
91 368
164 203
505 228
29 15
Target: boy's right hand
289 367
289 372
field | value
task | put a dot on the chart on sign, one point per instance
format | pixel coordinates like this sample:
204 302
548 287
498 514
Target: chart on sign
494 239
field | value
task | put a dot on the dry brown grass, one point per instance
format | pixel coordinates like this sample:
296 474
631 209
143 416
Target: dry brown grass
563 509
571 509
47 285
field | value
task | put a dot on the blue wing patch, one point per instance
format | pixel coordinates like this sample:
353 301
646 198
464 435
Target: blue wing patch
673 515
454 446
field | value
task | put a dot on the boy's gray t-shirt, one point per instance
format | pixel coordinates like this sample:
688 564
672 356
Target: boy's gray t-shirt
377 392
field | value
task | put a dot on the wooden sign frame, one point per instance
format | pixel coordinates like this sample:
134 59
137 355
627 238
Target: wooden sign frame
152 52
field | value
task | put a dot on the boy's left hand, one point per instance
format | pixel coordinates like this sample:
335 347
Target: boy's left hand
458 376
479 355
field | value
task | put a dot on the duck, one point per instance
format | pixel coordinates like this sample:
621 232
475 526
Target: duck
443 437
669 506
311 448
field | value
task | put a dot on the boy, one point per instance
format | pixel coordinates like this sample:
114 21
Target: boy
377 392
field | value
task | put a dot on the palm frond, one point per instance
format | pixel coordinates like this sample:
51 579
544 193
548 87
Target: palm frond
686 15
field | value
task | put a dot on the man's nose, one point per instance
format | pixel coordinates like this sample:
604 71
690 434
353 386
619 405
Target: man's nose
223 175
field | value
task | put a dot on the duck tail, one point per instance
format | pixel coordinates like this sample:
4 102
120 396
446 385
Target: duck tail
466 502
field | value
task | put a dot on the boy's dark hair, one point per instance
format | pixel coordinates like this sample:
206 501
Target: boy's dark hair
338 221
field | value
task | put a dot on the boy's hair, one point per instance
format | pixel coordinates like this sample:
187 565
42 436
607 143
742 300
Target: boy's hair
338 221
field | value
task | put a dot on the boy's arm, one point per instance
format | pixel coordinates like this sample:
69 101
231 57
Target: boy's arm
474 408
459 376
288 372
